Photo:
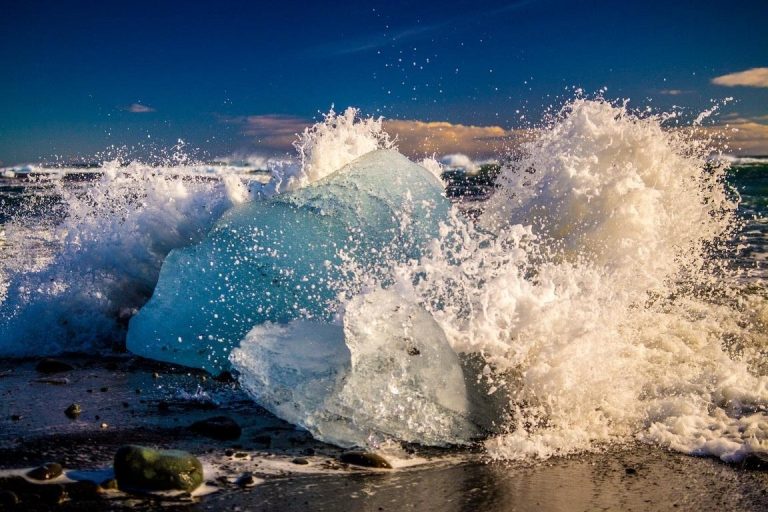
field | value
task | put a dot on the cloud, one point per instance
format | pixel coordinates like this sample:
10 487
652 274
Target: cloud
740 136
270 131
419 138
374 42
414 138
746 137
755 77
138 108
674 92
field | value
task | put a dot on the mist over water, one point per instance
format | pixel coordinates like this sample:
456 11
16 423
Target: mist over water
600 296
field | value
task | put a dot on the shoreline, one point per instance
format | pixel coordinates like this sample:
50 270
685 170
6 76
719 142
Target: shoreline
129 400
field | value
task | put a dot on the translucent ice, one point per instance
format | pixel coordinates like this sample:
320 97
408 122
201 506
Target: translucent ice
287 258
389 371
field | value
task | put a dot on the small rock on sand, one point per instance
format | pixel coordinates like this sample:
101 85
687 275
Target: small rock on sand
366 459
139 467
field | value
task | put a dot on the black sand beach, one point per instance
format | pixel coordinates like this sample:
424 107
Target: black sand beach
274 466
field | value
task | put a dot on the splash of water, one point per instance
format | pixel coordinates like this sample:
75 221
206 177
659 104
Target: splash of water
592 288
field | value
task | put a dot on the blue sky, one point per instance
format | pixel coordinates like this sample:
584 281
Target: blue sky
80 76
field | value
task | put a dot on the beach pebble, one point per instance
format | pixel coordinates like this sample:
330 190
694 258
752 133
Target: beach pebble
53 366
301 461
366 459
222 428
139 467
73 411
47 471
246 480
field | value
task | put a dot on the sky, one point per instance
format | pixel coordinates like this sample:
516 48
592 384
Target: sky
79 77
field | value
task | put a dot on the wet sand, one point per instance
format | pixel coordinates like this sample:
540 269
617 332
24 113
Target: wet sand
131 400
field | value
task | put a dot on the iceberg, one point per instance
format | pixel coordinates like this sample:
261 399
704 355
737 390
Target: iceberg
388 371
288 258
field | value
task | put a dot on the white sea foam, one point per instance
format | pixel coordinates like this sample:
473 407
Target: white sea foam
590 289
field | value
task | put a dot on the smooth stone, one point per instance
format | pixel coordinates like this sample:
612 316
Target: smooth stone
222 428
301 461
366 459
49 365
139 467
246 480
73 411
47 471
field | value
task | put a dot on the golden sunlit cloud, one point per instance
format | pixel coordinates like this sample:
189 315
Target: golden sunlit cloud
419 138
746 137
755 77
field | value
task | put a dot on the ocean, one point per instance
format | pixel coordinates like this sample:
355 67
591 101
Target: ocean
609 287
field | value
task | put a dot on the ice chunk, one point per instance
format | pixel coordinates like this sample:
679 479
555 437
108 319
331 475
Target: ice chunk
389 372
281 259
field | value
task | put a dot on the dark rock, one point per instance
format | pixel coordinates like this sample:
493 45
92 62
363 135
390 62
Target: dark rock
630 471
222 428
366 459
229 452
53 366
32 494
16 417
138 467
241 455
301 461
73 411
246 480
309 451
47 471
104 389
755 461
8 498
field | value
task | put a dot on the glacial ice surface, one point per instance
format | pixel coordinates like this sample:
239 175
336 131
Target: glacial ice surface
287 258
388 371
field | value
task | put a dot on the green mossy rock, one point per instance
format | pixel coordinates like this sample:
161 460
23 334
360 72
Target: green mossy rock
139 467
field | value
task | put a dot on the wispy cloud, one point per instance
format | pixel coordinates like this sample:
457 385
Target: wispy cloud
270 131
375 42
755 77
674 92
138 108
